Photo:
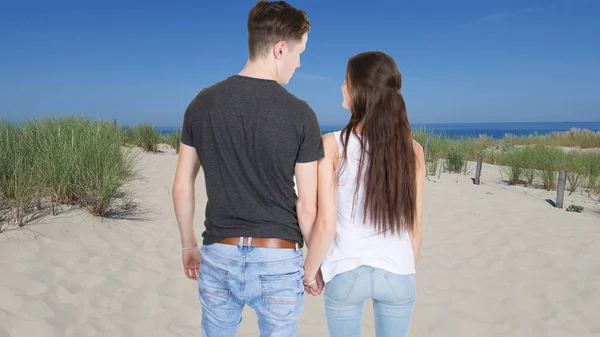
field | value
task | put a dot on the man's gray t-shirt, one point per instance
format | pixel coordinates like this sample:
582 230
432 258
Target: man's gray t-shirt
249 133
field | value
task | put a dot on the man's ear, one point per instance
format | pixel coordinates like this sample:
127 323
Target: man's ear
278 49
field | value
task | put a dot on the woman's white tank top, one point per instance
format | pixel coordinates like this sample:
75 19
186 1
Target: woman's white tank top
356 242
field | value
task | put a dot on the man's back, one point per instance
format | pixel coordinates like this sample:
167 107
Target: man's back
249 133
252 138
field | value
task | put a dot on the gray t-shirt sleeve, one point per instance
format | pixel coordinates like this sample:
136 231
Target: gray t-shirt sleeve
187 137
311 147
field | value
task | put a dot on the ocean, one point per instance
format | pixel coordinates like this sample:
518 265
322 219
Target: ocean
469 130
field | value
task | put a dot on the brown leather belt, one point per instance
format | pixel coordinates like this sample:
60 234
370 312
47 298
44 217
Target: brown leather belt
261 242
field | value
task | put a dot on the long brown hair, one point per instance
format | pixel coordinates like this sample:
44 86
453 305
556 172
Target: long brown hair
379 111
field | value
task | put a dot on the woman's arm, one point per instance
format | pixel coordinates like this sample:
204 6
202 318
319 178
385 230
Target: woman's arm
417 235
324 229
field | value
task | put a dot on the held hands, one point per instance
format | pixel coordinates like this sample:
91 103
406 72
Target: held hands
315 286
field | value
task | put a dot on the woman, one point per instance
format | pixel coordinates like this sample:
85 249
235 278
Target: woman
367 236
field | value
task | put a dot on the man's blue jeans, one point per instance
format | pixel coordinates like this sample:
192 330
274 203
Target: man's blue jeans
269 280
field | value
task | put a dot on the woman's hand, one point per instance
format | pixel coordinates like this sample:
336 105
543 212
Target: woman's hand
316 285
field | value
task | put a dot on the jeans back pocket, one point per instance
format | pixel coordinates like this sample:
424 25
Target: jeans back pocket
402 288
282 294
341 286
213 288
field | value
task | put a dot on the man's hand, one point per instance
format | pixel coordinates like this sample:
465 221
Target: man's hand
191 262
316 288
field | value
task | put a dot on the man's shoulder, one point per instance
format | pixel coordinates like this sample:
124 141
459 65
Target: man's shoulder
209 94
297 106
300 103
213 89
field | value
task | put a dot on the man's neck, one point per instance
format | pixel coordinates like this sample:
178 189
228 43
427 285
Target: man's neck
258 69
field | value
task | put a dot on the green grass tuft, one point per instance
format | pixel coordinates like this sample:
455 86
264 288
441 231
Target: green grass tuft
573 138
147 137
68 160
173 139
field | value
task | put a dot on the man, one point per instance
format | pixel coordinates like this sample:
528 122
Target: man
251 137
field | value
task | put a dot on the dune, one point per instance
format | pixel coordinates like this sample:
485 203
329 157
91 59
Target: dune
496 260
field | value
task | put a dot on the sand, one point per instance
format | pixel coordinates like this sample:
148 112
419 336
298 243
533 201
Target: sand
496 261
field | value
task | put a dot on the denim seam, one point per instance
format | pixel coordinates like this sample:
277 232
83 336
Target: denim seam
279 277
217 269
372 285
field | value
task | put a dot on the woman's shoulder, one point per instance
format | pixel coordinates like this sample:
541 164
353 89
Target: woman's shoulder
418 148
330 142
419 154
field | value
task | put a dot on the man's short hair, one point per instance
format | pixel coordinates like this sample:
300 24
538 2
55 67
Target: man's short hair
271 22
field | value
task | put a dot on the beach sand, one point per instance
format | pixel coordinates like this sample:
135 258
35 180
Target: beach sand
496 261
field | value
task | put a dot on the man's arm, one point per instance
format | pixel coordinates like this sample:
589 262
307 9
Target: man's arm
184 201
324 229
417 235
306 206
311 150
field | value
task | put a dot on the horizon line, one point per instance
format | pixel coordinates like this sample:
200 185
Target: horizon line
444 123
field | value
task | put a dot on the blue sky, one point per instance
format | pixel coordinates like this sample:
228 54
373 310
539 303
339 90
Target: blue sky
462 61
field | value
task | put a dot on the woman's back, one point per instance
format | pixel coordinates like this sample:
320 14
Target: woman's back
357 242
367 235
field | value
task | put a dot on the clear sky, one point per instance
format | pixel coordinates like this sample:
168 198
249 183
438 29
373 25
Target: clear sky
462 60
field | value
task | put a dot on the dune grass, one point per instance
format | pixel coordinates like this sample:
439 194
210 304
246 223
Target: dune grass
573 138
527 164
173 139
75 161
455 161
454 154
524 165
17 183
59 161
589 167
146 137
522 159
129 135
143 135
